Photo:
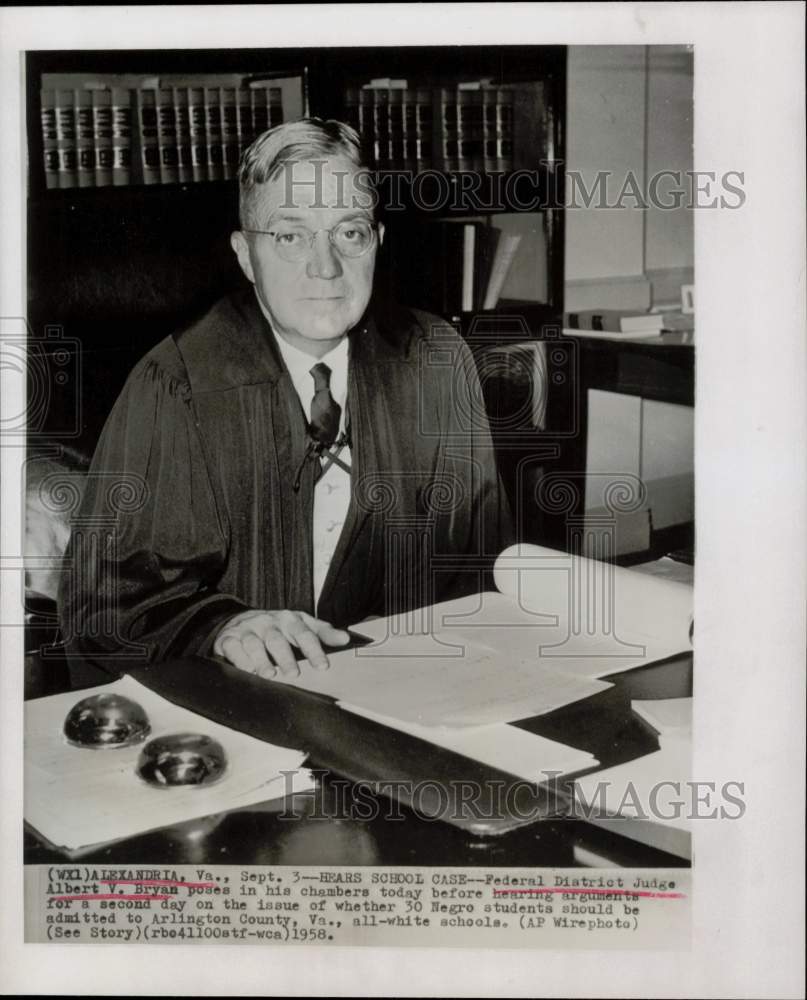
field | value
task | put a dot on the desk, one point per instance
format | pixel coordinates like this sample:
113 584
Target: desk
326 831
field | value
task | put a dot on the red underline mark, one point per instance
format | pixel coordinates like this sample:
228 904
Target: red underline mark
597 892
110 895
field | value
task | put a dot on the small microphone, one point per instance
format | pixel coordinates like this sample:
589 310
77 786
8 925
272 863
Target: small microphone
316 449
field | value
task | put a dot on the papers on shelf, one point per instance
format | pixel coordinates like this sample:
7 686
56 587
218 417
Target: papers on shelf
643 335
514 751
75 797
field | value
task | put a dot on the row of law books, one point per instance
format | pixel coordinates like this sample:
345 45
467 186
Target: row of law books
100 136
466 127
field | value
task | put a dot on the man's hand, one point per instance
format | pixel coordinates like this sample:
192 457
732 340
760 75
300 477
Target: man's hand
260 641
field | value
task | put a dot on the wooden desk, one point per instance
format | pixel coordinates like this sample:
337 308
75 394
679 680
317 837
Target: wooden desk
323 827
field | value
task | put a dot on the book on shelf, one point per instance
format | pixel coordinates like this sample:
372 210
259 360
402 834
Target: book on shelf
229 132
197 133
409 128
506 249
366 126
381 134
260 110
446 122
424 129
469 129
489 118
245 131
395 127
66 138
50 138
167 137
121 136
503 139
85 138
149 144
275 105
469 270
102 131
629 322
387 83
215 166
179 96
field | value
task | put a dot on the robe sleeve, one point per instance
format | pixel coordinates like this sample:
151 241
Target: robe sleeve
149 544
474 520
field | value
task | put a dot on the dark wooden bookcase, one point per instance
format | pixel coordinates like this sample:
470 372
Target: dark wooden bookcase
112 270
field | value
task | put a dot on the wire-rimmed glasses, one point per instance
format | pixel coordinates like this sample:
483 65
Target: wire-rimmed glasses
350 238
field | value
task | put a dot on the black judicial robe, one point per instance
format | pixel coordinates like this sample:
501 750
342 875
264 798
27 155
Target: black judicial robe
191 516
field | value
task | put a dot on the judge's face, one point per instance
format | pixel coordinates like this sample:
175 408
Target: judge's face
315 291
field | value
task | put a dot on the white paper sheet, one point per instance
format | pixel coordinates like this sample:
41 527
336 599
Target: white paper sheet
639 789
671 717
608 618
76 796
477 688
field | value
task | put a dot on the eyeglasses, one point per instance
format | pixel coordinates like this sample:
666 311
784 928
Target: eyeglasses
351 238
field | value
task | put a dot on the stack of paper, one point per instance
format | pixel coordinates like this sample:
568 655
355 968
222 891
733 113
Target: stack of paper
558 625
76 796
448 678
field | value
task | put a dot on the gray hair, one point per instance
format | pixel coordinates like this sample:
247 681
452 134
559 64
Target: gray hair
302 140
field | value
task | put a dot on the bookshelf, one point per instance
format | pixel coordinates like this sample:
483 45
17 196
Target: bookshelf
479 131
469 137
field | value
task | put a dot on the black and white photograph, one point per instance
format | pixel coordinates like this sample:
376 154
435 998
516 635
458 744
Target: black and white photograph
373 476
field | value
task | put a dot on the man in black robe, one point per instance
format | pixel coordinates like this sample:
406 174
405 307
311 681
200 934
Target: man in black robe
239 504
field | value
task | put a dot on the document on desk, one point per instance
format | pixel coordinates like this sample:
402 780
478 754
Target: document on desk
507 748
558 624
670 717
76 796
642 799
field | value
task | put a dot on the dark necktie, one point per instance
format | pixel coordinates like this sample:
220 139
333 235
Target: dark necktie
325 411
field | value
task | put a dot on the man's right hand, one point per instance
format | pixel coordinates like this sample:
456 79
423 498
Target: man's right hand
260 642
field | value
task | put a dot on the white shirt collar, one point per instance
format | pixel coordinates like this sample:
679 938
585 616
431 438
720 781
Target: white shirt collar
299 365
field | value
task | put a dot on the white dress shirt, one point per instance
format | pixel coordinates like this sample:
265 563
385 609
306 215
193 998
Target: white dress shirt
332 491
